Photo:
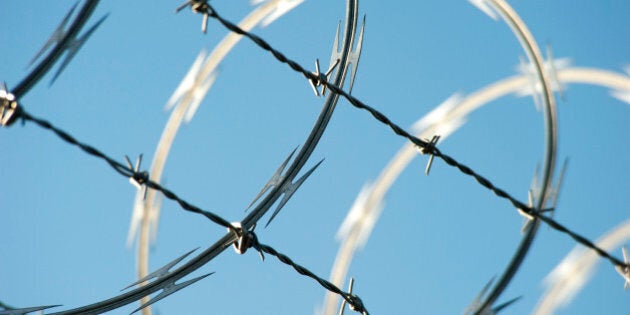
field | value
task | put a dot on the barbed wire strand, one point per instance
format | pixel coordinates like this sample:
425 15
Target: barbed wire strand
124 170
352 299
424 145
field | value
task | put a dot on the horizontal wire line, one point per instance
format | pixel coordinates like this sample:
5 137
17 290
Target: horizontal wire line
427 148
124 170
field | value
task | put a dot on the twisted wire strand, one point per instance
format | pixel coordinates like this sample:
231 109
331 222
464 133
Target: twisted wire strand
352 299
124 170
423 145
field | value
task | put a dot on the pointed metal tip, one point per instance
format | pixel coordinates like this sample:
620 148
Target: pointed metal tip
162 271
289 189
498 308
170 289
204 24
128 162
274 180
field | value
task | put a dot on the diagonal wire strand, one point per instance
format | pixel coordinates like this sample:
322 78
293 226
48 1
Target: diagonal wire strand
124 170
424 145
352 299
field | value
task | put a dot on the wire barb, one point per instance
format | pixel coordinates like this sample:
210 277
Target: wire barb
245 240
197 6
321 77
428 149
9 107
138 179
624 270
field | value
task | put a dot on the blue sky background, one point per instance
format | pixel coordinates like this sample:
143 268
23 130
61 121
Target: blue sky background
65 215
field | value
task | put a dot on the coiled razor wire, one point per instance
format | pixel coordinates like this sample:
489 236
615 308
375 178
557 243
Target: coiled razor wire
196 262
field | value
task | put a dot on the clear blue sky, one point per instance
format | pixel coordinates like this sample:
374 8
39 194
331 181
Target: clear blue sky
65 215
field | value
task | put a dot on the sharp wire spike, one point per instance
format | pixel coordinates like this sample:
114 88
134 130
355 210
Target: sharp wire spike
74 45
553 198
138 161
128 162
188 83
534 187
427 150
197 6
355 56
289 189
56 36
336 54
182 6
343 301
163 271
314 83
533 83
625 270
204 24
476 302
139 181
9 107
330 70
553 72
498 308
275 179
26 310
170 289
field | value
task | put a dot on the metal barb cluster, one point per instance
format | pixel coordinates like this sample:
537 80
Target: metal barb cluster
197 6
321 77
169 287
245 240
9 107
66 39
138 179
624 270
288 188
428 149
476 304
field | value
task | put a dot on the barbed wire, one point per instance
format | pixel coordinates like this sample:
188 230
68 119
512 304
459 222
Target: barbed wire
251 238
140 177
355 302
425 146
